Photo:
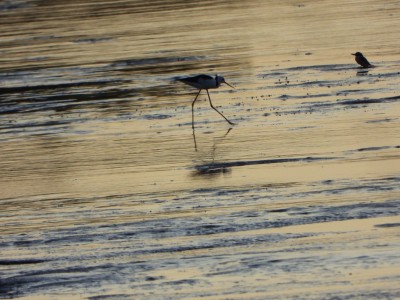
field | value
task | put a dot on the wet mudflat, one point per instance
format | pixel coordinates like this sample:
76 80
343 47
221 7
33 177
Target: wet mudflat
107 192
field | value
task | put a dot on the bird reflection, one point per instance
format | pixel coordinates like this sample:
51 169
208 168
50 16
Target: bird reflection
362 73
210 171
212 168
215 140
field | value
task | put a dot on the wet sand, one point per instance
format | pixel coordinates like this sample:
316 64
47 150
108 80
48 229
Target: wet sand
107 192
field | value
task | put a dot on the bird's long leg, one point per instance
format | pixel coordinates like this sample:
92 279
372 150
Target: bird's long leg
218 110
193 107
194 139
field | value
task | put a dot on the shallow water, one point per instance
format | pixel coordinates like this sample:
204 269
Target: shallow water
108 193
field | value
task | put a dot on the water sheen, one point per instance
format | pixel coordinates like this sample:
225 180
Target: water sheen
107 192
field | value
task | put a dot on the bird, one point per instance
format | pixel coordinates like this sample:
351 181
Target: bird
361 60
205 82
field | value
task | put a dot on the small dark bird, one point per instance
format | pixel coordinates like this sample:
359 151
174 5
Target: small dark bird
205 82
361 60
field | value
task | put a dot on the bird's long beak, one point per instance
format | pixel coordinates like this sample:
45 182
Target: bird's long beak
229 84
353 54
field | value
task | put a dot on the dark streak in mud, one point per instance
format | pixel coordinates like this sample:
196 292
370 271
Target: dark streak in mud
220 166
57 86
388 225
10 262
370 101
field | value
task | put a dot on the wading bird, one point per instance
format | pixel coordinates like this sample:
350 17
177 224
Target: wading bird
361 60
205 82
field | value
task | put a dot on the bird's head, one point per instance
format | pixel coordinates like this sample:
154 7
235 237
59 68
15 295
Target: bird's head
221 80
357 54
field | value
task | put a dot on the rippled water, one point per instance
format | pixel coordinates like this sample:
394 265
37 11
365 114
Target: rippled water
107 192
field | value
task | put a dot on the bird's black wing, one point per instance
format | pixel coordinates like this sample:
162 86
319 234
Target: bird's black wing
366 60
195 79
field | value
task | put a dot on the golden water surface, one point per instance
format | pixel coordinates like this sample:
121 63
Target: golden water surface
107 192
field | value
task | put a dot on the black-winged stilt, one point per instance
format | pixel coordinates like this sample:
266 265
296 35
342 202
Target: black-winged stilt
205 82
361 60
